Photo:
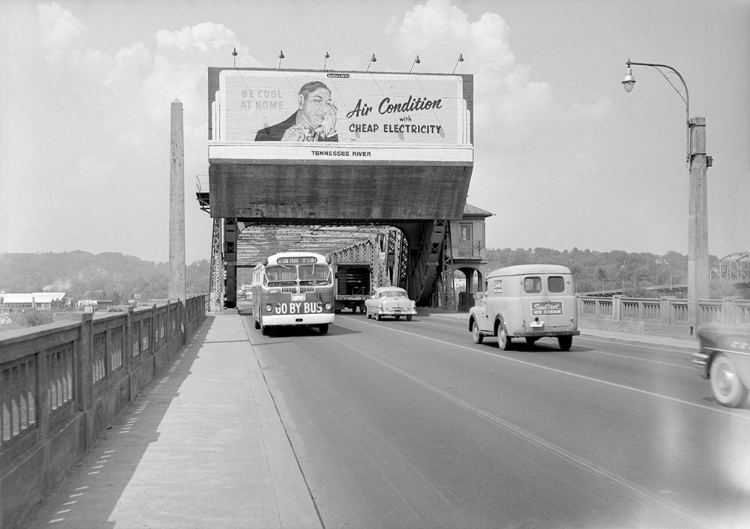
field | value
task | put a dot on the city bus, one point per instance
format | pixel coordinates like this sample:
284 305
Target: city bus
293 289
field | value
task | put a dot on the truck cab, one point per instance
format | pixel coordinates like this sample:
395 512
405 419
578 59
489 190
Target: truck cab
526 301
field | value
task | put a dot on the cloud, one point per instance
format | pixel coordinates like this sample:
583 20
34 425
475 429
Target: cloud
503 89
59 28
510 106
204 37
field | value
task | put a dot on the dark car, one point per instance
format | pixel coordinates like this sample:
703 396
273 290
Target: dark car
724 359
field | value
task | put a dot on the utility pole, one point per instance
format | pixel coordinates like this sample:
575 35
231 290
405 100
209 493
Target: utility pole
698 267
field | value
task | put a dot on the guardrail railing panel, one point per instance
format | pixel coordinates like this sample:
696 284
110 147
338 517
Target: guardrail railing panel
54 379
18 397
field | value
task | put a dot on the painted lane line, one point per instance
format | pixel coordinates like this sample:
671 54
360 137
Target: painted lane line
57 520
63 511
539 441
681 366
657 347
568 373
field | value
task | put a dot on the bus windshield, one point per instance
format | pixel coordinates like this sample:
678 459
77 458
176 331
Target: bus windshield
281 276
314 275
287 276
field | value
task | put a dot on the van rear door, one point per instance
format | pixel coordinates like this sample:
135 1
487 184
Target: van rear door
550 301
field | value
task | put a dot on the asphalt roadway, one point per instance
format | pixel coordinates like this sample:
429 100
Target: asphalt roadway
203 446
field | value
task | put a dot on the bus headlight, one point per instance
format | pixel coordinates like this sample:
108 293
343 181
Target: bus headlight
269 307
327 305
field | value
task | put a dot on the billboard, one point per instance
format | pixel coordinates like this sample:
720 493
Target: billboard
305 116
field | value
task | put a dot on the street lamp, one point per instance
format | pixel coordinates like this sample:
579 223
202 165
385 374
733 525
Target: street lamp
629 83
698 162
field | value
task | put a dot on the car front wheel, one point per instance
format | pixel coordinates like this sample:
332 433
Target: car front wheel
475 334
725 384
503 340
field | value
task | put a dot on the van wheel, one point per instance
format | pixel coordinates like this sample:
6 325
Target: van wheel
565 342
408 317
530 340
503 340
725 384
477 336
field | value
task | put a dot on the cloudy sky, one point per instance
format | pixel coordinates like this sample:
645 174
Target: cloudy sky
564 157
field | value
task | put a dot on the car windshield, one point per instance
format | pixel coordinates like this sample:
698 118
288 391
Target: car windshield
392 294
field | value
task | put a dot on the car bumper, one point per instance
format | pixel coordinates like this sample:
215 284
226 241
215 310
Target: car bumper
700 362
396 312
545 333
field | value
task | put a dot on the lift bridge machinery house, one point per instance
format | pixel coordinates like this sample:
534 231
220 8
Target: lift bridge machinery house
385 181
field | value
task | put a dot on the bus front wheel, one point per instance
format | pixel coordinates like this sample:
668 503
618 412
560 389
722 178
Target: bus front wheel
323 328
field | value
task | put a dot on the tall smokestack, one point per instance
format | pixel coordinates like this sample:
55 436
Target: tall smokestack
177 287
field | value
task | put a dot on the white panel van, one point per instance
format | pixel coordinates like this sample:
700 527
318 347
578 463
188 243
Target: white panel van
526 301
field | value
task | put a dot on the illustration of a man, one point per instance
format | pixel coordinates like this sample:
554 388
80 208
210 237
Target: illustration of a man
314 120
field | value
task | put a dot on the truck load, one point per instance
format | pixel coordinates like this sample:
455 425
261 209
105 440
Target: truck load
353 285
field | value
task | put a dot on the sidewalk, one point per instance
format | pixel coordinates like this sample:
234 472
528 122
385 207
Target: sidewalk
222 458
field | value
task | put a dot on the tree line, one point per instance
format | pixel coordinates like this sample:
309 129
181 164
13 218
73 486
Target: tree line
105 276
635 274
119 277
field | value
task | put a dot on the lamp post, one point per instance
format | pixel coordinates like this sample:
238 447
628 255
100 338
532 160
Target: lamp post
698 162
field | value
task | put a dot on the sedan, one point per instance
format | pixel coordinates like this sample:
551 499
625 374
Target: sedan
724 359
390 301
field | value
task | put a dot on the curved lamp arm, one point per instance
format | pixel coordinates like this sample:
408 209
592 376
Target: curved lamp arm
629 82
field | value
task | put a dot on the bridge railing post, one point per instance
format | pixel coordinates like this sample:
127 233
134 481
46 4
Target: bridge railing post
617 308
665 314
84 356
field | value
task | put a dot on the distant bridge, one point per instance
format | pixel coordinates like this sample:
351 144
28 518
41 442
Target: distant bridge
733 268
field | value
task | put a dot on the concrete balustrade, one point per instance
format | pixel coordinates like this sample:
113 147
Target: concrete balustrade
665 316
62 385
